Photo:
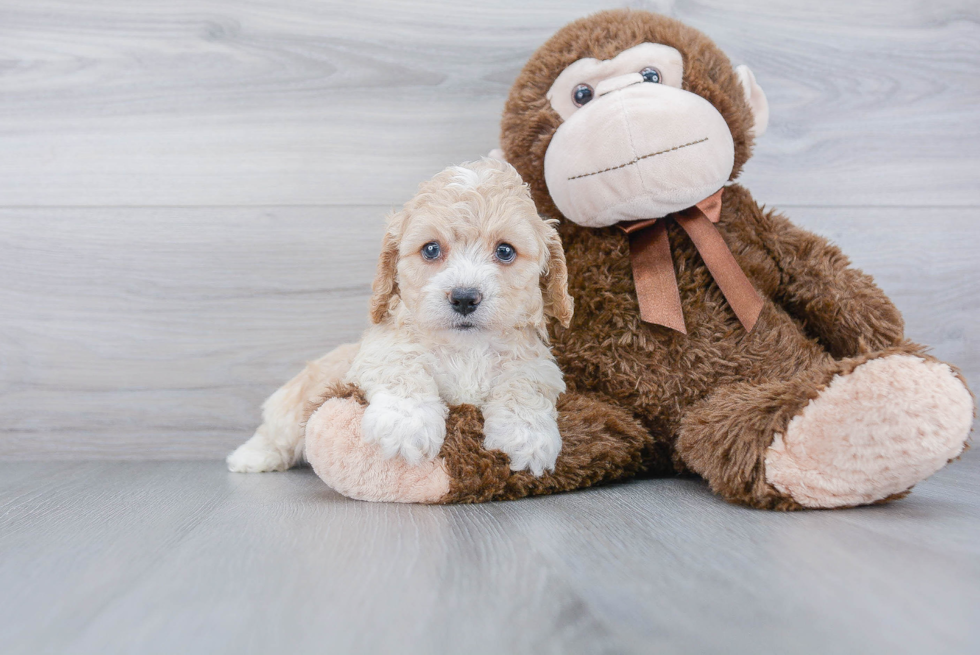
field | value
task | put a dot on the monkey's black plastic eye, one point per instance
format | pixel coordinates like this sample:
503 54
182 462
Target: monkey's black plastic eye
431 250
651 74
581 94
505 253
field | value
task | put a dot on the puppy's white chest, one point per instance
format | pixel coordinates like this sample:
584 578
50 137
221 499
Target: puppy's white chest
464 375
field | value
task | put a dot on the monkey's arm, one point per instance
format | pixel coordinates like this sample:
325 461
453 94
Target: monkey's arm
839 305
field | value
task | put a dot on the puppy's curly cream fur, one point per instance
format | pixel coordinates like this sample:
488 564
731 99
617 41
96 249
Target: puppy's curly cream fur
422 354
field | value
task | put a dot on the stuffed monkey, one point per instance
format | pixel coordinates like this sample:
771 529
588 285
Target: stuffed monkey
709 336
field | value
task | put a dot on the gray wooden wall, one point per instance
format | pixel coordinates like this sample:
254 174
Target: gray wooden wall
192 193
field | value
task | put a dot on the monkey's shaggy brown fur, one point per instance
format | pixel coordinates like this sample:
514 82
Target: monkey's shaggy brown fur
712 399
600 443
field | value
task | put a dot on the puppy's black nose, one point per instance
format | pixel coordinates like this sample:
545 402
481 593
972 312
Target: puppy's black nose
465 301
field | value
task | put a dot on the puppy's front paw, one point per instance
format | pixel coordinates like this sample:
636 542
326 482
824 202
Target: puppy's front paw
411 428
531 441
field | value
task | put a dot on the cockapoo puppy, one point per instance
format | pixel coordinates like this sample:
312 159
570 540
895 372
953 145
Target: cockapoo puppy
468 272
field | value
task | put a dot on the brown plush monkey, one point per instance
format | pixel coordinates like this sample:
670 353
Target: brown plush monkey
709 336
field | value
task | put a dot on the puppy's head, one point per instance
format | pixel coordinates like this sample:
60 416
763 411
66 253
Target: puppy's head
470 253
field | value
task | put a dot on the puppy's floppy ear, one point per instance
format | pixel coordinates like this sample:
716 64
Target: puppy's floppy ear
385 285
554 282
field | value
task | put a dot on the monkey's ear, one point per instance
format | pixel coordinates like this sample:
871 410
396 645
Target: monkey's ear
385 285
756 99
554 282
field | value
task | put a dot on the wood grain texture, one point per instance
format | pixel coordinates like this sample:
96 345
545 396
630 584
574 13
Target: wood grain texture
184 557
221 102
134 333
169 322
192 192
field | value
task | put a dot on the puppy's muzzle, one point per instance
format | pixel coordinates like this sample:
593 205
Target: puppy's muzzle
465 300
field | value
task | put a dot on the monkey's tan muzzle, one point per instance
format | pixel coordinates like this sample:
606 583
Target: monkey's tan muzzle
637 151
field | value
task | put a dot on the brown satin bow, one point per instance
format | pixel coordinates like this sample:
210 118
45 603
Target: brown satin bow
653 266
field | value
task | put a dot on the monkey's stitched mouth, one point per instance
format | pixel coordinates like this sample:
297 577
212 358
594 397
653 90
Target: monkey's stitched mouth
630 163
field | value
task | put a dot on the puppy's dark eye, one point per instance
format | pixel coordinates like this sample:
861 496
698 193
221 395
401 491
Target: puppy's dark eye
650 74
506 253
581 94
431 250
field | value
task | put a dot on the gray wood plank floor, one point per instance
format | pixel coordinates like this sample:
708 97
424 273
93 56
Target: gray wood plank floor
183 557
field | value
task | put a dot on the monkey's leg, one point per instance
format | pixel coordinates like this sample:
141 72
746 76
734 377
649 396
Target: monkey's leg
600 443
851 432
